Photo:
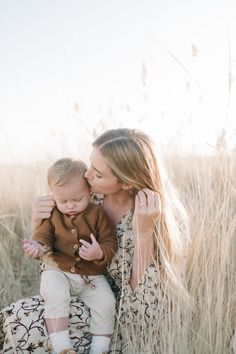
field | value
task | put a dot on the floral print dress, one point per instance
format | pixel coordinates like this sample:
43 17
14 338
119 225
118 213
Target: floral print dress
22 327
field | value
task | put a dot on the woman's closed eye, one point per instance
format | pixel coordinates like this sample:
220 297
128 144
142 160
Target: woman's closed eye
98 176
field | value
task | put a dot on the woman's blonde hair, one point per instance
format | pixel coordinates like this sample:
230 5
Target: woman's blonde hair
63 170
130 155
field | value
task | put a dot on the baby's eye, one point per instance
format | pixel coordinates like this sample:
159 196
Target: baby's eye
98 176
63 201
77 200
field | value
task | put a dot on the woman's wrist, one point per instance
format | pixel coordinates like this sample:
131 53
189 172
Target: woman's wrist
144 239
143 257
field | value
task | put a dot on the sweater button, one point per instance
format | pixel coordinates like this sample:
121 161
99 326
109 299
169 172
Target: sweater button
73 231
72 270
77 259
76 246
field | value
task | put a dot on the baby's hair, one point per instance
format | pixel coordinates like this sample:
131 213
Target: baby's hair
63 170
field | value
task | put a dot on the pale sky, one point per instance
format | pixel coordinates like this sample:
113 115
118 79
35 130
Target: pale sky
70 66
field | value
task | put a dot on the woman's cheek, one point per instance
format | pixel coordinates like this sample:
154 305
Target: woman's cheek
96 188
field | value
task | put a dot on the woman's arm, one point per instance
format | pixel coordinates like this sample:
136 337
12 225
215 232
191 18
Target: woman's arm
146 212
42 210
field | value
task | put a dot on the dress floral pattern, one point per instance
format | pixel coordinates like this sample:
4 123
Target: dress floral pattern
22 327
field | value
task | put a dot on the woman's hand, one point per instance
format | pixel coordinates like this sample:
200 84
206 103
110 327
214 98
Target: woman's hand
146 212
42 209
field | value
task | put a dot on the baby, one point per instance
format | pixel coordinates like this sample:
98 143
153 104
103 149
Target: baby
74 246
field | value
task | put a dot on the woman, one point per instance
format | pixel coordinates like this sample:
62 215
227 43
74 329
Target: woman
127 181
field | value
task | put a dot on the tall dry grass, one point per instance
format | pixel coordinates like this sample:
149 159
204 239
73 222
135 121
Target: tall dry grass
208 189
20 185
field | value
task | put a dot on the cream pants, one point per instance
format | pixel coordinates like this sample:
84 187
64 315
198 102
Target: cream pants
57 286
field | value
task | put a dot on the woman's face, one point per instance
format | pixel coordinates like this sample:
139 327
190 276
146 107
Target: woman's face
100 176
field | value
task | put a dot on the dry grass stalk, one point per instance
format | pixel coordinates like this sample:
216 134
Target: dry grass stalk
208 188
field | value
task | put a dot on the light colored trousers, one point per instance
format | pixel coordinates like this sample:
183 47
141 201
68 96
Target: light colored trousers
57 286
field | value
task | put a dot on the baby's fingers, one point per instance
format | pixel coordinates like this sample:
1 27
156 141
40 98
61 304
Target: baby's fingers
29 252
82 253
35 253
27 248
85 243
27 242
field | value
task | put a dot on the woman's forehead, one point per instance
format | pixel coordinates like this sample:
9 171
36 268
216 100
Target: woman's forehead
98 162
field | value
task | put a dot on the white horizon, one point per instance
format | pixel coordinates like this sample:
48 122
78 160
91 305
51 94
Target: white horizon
68 68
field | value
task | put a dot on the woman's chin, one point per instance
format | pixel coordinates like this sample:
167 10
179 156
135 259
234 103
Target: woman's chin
95 190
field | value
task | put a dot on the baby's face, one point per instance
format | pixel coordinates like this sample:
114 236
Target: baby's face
73 197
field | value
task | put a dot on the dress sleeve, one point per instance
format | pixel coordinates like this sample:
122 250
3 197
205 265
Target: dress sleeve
142 312
145 302
106 237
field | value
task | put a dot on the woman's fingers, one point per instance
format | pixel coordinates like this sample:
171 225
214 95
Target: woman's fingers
150 196
153 199
157 202
44 209
45 199
42 215
142 199
44 204
148 199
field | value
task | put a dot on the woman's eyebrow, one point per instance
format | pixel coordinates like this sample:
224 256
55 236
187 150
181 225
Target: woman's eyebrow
96 169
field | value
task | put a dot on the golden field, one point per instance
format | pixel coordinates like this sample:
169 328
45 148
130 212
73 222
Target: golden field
208 189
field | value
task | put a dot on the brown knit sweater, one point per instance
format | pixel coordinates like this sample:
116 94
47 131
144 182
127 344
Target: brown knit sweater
62 233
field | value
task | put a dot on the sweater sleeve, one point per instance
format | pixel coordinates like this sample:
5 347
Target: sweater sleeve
44 233
106 238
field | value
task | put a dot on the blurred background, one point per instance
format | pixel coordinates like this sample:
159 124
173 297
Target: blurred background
70 69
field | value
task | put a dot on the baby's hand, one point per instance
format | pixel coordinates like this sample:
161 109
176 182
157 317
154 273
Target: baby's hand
90 252
31 248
